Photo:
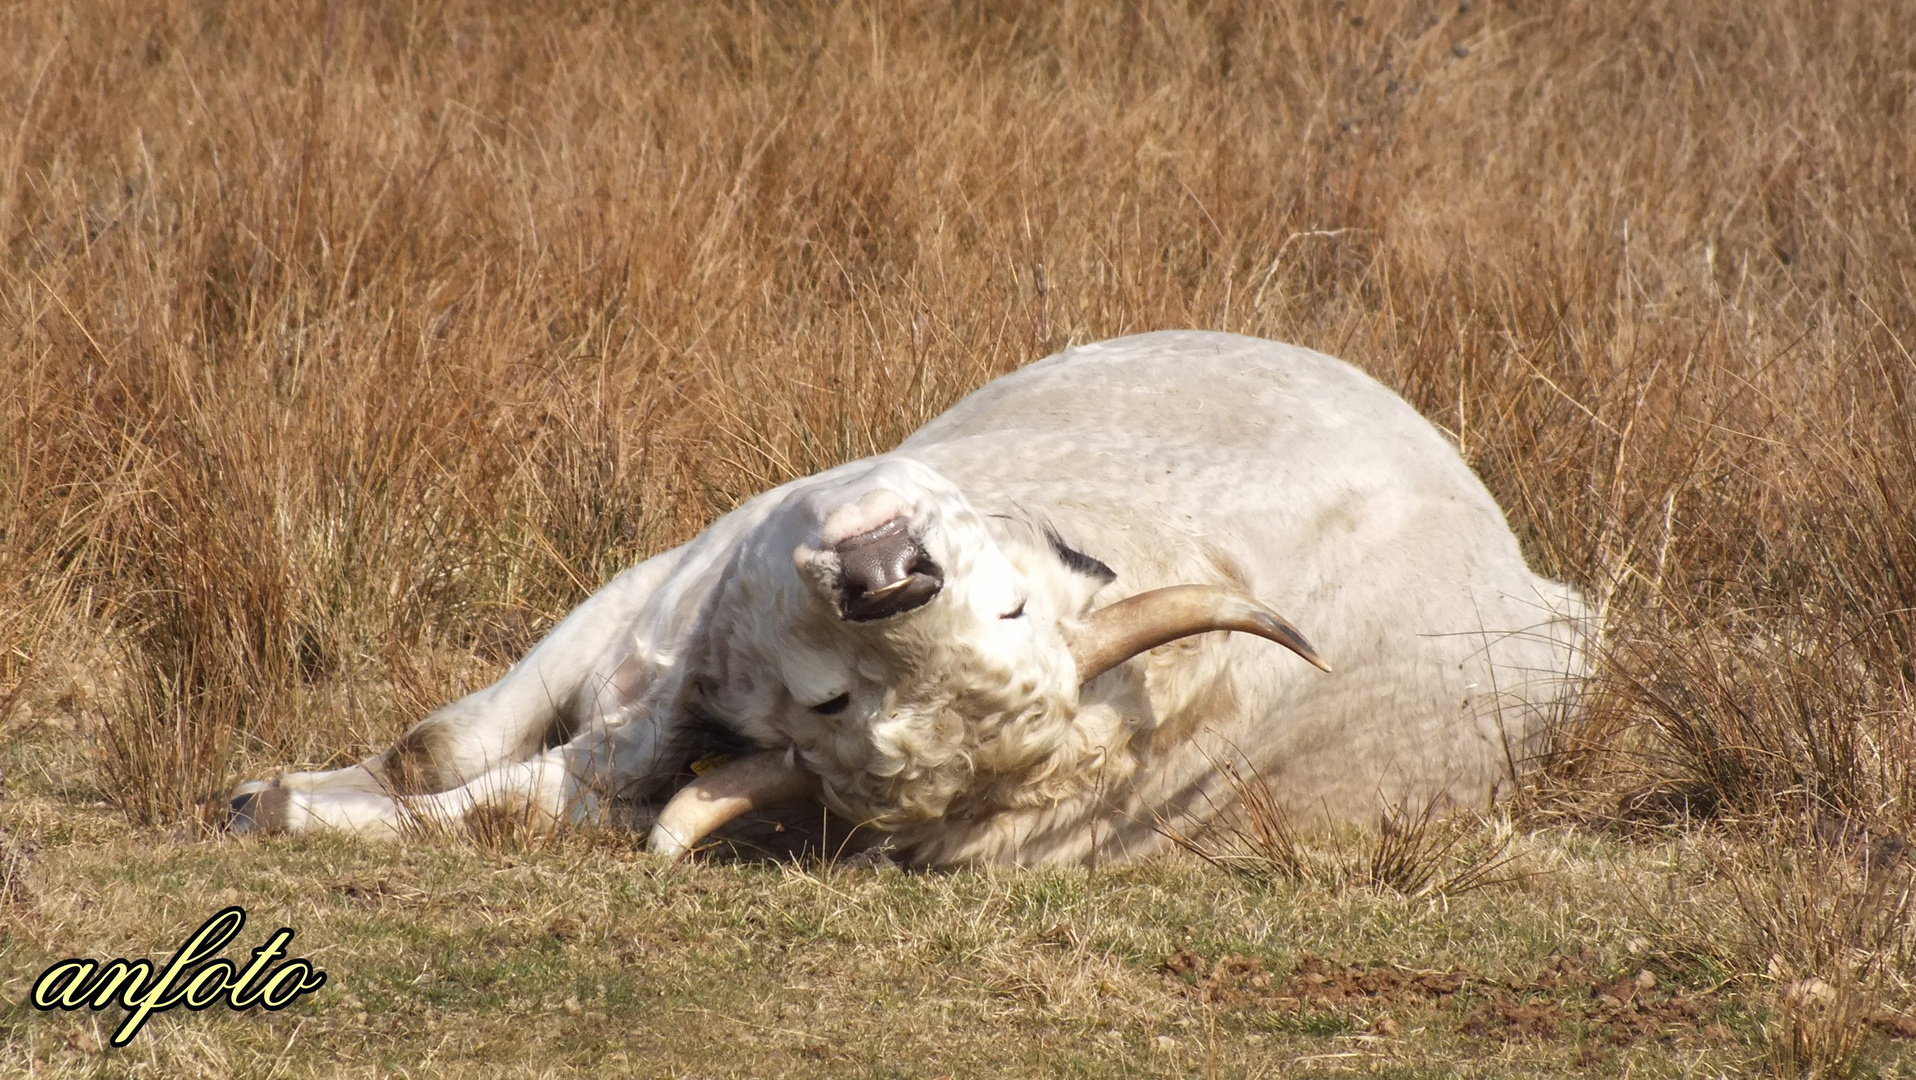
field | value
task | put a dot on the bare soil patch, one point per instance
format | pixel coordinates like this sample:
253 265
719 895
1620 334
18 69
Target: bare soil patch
1561 995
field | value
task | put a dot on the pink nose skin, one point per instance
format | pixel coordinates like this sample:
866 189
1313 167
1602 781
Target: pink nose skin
875 509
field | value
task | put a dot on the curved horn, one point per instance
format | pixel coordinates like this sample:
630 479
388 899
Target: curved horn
1145 621
724 793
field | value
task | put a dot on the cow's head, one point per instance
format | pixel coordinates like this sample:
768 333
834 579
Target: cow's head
894 644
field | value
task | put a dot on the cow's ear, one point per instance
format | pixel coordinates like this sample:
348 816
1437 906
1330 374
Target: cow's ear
1084 575
696 700
1078 562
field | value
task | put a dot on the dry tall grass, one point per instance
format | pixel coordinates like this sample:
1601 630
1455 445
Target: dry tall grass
1826 917
343 347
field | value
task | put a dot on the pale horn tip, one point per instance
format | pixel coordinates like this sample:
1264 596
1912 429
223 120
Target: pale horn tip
1279 629
1116 633
734 788
664 841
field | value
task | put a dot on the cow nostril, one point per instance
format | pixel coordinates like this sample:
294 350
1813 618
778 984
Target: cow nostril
885 572
834 706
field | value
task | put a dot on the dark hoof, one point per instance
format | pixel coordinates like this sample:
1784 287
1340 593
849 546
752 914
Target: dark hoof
256 807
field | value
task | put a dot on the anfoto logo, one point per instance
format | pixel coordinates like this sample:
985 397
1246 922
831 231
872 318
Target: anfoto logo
187 979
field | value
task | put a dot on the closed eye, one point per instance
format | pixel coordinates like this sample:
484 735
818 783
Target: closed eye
1015 613
834 706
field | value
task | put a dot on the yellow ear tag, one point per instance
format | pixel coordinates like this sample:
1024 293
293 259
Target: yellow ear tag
709 762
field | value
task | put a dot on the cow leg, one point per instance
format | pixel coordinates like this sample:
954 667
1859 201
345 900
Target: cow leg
542 789
574 783
461 741
508 721
587 670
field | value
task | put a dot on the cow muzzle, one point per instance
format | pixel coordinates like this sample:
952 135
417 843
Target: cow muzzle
884 572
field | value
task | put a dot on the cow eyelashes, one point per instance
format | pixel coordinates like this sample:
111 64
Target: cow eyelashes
1015 613
834 706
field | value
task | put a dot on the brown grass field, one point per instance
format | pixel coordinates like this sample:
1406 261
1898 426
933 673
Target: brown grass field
344 347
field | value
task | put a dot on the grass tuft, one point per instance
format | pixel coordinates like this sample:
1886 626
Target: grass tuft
1410 852
1829 916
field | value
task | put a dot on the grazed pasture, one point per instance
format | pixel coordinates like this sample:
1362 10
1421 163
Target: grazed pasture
344 347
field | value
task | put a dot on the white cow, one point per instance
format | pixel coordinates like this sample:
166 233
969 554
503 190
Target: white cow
999 642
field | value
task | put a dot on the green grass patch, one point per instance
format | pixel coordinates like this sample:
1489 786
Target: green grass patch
580 953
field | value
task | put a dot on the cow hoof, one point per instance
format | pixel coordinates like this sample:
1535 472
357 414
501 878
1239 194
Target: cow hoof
256 806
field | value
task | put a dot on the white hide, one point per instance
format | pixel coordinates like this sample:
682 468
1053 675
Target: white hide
1173 458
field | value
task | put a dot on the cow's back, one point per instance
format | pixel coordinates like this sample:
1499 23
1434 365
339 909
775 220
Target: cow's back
1192 456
